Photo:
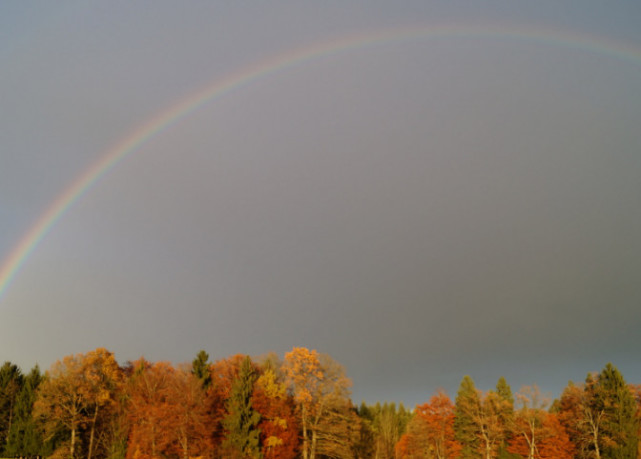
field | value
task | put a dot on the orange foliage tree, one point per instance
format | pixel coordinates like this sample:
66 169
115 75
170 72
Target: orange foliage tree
148 409
167 412
188 415
430 433
538 434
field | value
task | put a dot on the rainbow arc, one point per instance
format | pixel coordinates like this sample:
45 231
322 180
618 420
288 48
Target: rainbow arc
272 65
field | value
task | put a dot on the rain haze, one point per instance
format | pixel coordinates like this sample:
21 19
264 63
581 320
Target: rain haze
421 190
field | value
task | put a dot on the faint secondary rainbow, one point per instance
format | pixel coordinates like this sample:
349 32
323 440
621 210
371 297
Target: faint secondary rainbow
174 113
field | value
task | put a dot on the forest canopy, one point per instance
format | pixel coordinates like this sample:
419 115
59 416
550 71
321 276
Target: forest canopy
88 405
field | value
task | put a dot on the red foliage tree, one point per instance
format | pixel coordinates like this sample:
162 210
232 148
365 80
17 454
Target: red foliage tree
431 432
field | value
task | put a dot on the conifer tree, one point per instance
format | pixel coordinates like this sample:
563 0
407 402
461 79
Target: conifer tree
365 444
506 414
242 439
621 424
200 368
11 381
25 438
504 391
465 429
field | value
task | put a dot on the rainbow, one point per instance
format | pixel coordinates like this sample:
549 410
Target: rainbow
178 111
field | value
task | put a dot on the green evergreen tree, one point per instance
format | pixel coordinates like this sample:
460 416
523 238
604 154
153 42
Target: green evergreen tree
404 415
25 437
200 368
621 425
467 400
11 381
242 439
504 391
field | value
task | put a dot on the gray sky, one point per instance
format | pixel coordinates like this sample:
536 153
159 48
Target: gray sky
418 209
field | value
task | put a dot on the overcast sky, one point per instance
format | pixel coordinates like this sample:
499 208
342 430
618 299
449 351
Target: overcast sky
419 209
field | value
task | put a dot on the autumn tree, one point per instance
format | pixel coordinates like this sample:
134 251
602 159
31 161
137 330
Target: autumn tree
114 425
74 393
538 434
430 433
148 409
223 373
278 423
601 416
101 380
480 421
186 414
167 412
570 410
61 402
320 390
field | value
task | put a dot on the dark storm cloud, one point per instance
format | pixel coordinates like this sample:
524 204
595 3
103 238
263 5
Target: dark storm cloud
417 210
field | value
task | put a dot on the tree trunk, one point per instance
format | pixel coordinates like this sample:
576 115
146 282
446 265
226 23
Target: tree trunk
488 446
72 446
153 441
305 434
92 432
312 453
10 418
595 440
185 447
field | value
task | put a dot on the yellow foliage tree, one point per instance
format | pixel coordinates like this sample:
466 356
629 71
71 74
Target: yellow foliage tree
320 390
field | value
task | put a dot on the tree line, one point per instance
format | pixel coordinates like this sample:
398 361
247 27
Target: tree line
87 405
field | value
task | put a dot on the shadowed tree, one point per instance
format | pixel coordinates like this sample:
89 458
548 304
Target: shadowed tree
25 438
11 381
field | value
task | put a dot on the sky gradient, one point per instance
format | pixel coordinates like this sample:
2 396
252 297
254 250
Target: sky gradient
420 208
